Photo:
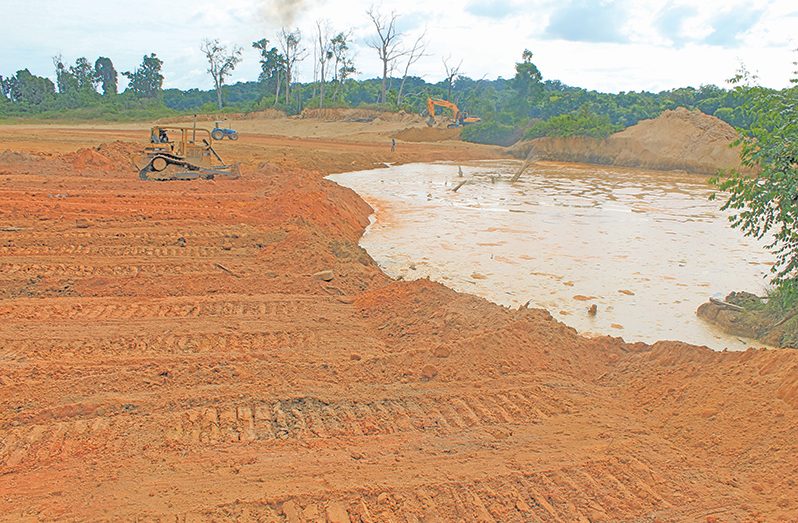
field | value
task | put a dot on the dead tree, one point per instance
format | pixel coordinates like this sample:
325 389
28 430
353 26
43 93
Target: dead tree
325 55
293 52
220 63
386 44
451 75
414 55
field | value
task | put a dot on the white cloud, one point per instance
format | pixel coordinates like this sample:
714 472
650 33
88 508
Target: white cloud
489 36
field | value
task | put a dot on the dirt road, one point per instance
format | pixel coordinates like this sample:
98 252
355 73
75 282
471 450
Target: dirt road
167 354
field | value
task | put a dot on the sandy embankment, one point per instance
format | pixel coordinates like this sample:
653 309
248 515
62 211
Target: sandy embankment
676 140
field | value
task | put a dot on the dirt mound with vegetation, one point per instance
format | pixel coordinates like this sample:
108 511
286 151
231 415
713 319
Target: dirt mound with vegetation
360 115
680 139
264 114
748 315
427 134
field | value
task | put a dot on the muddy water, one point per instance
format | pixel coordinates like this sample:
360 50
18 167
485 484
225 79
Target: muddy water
647 248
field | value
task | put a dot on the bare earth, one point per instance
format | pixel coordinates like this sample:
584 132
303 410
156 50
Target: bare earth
167 355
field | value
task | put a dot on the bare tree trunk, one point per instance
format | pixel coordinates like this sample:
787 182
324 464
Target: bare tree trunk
277 89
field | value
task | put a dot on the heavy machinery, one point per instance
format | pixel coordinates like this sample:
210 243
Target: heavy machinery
183 153
458 118
220 133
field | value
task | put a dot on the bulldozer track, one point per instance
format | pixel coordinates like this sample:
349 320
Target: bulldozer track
277 306
310 418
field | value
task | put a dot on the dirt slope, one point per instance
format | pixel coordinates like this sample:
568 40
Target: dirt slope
676 140
168 355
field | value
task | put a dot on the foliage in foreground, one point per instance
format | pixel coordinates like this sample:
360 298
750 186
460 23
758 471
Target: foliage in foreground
765 205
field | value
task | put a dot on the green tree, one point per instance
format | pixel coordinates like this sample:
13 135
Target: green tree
146 81
272 66
64 79
343 64
106 75
84 76
528 80
765 204
27 88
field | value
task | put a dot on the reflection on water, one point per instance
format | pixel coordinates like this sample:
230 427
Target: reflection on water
646 247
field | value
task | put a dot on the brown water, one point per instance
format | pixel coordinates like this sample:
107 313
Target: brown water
646 247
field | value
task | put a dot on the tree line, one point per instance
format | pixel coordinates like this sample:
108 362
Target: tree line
524 105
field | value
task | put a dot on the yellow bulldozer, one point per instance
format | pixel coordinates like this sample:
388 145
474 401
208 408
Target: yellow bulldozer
183 153
459 118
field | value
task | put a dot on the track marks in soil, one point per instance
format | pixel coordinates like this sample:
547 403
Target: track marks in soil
309 418
272 307
593 491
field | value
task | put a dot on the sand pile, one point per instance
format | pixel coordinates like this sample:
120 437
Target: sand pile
119 151
427 134
89 159
676 140
9 156
105 157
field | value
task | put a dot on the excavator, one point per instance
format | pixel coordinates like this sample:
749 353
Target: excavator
459 118
183 153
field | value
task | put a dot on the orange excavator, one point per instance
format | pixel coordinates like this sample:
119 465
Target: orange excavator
459 118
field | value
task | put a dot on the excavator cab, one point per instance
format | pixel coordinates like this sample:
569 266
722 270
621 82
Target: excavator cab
183 153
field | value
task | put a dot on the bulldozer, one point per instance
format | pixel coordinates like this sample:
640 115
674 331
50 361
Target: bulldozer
459 118
183 153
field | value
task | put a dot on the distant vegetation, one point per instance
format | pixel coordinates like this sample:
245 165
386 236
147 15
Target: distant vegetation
526 105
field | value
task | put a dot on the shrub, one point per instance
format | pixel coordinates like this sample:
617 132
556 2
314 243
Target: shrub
491 132
578 123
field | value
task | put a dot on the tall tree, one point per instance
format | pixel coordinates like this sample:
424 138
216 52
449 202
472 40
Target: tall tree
106 75
272 66
343 66
84 76
146 81
452 72
414 55
527 82
386 43
291 46
324 55
64 78
221 63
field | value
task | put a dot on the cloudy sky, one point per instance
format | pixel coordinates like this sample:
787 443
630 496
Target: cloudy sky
608 45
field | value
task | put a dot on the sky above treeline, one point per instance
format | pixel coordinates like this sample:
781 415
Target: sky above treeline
610 45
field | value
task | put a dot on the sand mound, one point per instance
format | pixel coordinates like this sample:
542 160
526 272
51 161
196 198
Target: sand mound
9 156
121 152
359 115
427 134
676 140
105 157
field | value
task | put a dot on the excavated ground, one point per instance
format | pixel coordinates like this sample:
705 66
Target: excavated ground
167 355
